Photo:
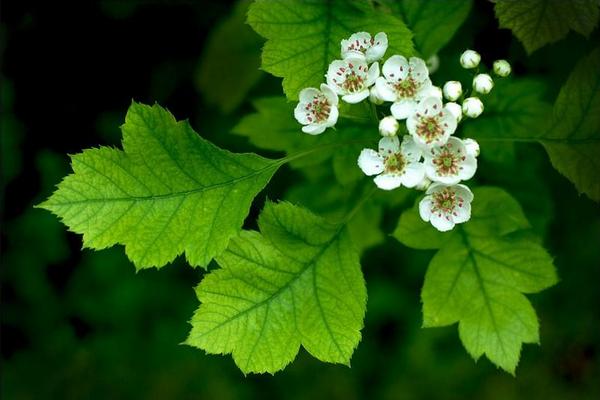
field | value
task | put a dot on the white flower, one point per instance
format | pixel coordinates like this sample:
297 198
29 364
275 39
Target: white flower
351 78
472 147
455 109
470 59
361 44
374 96
450 163
431 124
317 109
433 63
445 206
388 126
404 83
472 107
502 68
483 83
452 90
394 165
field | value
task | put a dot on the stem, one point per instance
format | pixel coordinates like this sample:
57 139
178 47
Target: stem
358 205
307 152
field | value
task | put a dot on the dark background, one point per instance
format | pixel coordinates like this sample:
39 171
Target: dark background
83 324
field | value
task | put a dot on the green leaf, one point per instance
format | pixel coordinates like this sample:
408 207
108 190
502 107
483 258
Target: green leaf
168 192
479 275
233 53
539 22
433 24
573 142
303 36
298 282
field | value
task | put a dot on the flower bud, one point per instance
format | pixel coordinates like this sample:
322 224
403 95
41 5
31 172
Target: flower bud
470 59
483 83
452 90
388 126
374 96
502 68
472 107
472 147
433 63
455 110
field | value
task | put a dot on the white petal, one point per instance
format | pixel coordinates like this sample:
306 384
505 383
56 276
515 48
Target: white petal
448 122
469 166
314 129
464 192
411 125
389 145
333 117
425 208
430 91
377 50
370 162
334 80
413 174
435 187
463 214
441 221
419 70
395 68
329 94
410 150
425 90
388 181
430 106
356 97
403 109
300 113
354 54
373 74
307 95
385 90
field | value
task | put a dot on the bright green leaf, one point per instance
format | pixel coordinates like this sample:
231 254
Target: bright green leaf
298 282
168 192
573 142
479 275
539 22
433 24
303 36
231 61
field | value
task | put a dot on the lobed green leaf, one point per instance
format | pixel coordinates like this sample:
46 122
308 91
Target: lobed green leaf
298 282
479 275
167 192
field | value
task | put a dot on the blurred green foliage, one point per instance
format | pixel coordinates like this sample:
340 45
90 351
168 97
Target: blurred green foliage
81 324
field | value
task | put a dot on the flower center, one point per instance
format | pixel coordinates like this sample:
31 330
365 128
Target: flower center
406 87
395 163
445 201
429 128
318 110
447 163
353 83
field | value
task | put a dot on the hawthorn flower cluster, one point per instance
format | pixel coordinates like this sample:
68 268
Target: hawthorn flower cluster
418 148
